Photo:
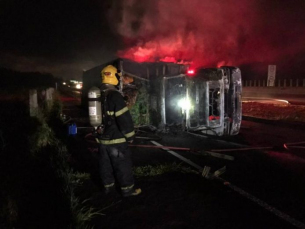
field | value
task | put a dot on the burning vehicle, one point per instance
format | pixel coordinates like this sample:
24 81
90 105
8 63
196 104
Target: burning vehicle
206 100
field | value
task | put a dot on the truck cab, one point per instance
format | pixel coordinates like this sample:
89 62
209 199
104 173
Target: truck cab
204 99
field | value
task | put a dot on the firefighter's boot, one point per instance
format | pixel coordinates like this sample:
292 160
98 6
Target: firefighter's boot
131 192
109 188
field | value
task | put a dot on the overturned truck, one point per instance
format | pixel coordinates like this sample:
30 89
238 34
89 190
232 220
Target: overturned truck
206 100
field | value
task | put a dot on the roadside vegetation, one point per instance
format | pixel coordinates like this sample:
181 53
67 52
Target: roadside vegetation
37 183
150 171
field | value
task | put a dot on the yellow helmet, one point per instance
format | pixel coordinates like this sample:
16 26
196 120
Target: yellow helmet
110 75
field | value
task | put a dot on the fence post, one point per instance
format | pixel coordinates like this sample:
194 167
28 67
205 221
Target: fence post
33 102
49 97
284 82
290 83
297 82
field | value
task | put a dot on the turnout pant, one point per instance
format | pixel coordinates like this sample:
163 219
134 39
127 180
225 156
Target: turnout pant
115 162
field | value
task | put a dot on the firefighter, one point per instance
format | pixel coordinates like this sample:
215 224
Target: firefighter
117 131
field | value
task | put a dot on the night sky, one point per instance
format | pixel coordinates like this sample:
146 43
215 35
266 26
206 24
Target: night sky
65 37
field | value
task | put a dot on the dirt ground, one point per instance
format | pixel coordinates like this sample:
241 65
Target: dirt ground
274 111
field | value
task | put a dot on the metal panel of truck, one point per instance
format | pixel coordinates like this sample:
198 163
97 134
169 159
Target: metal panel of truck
233 102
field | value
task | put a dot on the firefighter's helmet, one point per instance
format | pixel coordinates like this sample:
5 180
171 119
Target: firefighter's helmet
110 75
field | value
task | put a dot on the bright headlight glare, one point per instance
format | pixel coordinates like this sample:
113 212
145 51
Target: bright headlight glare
78 86
184 103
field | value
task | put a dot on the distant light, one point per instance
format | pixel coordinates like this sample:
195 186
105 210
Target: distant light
191 72
78 86
64 83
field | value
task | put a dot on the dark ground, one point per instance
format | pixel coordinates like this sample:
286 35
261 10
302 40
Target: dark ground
187 200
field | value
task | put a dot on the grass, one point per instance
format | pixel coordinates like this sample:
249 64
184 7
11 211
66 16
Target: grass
37 190
79 178
149 171
84 214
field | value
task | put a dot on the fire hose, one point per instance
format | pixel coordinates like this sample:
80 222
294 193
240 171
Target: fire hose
294 145
212 152
203 152
285 146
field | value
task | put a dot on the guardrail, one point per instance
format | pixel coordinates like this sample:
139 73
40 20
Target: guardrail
277 83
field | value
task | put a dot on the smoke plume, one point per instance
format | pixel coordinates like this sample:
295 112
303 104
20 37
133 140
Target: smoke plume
212 33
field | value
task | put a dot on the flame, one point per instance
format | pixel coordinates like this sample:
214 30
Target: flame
169 59
169 49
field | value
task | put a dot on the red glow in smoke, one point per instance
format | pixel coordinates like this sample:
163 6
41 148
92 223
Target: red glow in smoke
210 33
169 59
158 49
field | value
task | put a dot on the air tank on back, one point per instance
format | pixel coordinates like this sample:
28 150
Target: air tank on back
95 112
